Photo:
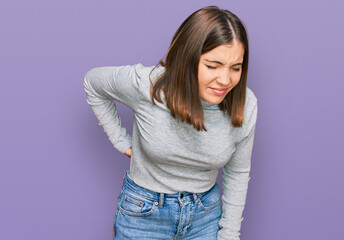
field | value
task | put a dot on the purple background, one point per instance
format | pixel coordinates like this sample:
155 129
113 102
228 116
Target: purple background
60 175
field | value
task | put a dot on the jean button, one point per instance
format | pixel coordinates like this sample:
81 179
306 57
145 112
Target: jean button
181 195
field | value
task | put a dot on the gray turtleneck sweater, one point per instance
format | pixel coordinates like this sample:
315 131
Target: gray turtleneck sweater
170 156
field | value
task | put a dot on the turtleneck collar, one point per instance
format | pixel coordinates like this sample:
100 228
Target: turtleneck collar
208 105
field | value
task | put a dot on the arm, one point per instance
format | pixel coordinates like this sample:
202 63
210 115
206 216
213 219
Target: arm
235 176
104 84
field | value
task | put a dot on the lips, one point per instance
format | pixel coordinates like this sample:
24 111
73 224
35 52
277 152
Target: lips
219 91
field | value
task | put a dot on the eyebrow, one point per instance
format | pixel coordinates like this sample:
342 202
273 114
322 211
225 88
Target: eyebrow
222 63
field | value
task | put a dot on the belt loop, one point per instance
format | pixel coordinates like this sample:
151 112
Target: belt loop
161 200
195 197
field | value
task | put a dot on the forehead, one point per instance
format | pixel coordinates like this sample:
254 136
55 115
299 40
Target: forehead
227 53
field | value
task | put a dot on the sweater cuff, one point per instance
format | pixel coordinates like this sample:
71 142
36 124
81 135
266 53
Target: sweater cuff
124 144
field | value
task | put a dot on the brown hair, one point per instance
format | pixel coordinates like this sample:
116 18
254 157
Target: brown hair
202 31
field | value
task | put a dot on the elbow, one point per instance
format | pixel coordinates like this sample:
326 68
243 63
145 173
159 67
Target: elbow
89 75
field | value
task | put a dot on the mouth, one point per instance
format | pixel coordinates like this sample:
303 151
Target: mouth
219 91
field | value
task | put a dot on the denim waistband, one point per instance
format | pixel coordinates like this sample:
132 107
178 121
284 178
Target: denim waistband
131 185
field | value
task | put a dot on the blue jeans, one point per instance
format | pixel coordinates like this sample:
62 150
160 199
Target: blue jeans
144 214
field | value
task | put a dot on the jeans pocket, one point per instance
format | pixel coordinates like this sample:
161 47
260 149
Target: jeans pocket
136 205
211 199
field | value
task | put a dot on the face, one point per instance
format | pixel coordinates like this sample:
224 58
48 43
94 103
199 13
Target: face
219 71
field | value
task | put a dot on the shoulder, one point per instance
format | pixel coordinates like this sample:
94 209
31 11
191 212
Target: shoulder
146 76
251 99
147 72
251 111
251 102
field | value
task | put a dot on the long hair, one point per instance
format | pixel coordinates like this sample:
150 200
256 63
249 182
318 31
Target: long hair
202 31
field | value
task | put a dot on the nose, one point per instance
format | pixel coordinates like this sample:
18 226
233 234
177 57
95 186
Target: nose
224 78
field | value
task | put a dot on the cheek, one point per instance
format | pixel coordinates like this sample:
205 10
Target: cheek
201 79
204 78
236 78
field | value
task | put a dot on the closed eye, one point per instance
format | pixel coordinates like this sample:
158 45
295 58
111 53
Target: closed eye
210 67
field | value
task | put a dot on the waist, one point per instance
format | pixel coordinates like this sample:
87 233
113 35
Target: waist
132 186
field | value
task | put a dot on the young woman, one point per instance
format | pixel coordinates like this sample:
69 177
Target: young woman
193 115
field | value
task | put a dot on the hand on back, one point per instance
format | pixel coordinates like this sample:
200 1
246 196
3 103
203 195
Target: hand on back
128 152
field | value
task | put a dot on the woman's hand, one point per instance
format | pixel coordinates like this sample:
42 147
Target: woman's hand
128 152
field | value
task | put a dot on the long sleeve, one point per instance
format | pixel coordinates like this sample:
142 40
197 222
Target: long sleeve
105 84
235 176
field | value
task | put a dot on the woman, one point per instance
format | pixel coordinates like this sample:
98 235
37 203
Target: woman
192 115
